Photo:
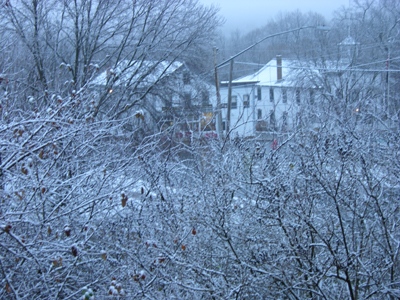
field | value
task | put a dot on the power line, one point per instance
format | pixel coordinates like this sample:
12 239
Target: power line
378 62
249 63
311 68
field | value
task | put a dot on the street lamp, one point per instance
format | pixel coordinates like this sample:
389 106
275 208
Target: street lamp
219 117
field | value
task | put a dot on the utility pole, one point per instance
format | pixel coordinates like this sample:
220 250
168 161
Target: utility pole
388 80
219 110
228 115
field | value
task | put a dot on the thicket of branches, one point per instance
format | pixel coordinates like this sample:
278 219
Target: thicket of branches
89 210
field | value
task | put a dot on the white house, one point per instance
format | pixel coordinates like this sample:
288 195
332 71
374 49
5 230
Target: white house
164 93
288 94
267 101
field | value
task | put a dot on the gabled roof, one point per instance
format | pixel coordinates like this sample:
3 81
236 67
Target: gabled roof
127 73
268 75
293 71
349 41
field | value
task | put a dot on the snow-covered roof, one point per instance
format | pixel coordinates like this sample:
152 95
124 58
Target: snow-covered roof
268 75
292 72
128 72
349 41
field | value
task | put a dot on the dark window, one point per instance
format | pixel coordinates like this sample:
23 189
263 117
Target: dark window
298 96
259 114
259 93
271 95
284 119
223 125
284 96
312 97
186 78
298 120
339 93
246 101
272 118
354 95
234 102
168 102
187 100
205 98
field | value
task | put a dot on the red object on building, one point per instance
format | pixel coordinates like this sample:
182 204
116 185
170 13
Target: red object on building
274 145
211 135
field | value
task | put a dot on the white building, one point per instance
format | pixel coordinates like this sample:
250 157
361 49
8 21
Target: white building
268 101
161 93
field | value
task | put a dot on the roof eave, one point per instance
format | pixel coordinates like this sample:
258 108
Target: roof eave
237 83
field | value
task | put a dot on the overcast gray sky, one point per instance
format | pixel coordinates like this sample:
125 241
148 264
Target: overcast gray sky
250 14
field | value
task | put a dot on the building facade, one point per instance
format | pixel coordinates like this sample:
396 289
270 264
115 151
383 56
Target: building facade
267 102
161 95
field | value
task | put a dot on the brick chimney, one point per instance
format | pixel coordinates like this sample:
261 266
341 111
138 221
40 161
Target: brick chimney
279 66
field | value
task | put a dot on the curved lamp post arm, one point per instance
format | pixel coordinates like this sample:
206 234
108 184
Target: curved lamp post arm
323 28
